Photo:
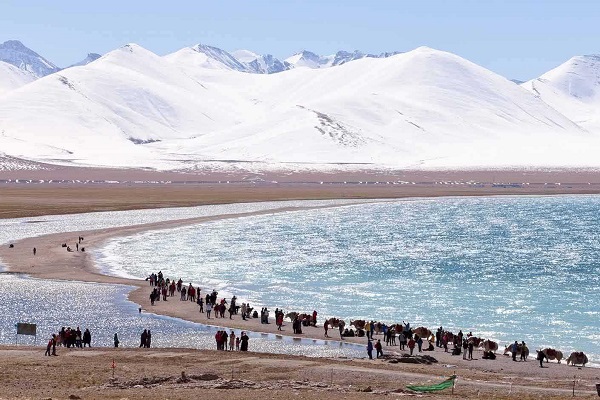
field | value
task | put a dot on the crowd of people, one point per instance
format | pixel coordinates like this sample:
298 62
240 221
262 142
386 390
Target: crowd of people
240 343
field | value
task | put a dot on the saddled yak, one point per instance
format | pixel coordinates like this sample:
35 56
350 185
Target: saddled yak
293 315
521 349
336 323
577 357
422 332
490 345
553 354
358 323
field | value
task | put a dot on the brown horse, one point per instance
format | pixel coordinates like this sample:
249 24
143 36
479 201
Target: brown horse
577 357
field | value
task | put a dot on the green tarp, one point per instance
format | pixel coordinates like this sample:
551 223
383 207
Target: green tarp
433 388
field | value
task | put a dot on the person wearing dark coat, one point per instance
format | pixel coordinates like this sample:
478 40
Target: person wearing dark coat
244 340
144 338
87 338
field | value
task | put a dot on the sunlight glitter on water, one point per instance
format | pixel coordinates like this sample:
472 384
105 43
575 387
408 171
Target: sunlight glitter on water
520 268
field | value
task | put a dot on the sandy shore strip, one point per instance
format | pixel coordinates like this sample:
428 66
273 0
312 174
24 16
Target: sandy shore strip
184 373
54 262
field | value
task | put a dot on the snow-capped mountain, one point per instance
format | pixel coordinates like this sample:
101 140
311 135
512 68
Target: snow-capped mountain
311 60
91 57
260 64
424 108
12 77
17 54
572 88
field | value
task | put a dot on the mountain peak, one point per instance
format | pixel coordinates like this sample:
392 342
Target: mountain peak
91 57
16 53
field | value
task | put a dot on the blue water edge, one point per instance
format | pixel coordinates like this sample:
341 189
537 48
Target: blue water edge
105 310
505 268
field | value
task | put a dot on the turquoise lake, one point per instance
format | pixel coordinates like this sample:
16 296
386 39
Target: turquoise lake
505 268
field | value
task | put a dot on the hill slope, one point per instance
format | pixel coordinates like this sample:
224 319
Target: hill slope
424 108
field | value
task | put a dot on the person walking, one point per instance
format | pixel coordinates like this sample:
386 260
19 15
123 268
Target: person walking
540 358
49 347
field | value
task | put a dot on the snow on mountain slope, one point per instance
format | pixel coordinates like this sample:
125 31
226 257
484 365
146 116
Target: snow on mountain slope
424 108
91 57
104 112
211 57
573 88
12 77
17 54
265 64
312 60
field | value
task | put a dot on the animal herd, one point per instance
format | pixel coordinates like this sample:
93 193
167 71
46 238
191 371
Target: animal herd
488 346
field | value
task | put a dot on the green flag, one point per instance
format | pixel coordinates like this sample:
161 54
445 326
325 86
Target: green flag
433 388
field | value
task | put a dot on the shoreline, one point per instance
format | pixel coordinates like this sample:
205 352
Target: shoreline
80 266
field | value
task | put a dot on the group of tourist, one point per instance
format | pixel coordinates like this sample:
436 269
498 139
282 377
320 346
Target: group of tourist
69 338
240 342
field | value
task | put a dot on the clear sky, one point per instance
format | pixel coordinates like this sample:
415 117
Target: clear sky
517 39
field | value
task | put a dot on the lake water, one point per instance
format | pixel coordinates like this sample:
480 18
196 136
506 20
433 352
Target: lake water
104 308
506 268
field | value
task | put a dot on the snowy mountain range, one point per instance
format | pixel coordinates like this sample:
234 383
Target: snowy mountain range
202 107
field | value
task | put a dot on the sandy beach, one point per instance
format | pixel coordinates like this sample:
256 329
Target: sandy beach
253 374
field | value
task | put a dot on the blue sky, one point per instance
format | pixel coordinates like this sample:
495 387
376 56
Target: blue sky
517 39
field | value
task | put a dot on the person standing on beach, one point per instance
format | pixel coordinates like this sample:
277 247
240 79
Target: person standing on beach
471 345
513 350
143 338
411 345
370 349
208 310
34 251
419 342
116 340
87 338
368 330
231 340
465 346
279 320
243 310
148 339
326 327
540 358
524 351
244 339
54 340
379 348
48 347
